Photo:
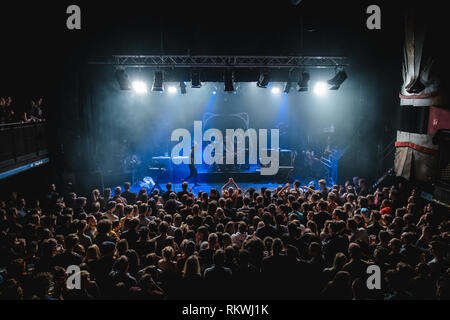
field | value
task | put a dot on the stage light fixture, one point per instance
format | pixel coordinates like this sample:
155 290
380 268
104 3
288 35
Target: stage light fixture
122 79
172 89
228 80
276 90
214 92
158 83
287 87
182 87
320 88
140 87
302 84
195 79
264 79
337 80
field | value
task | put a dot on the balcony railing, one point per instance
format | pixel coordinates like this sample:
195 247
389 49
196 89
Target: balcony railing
22 143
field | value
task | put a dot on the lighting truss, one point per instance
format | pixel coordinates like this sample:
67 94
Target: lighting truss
181 61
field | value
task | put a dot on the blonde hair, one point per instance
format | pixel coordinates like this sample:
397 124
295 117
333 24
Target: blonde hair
191 266
167 253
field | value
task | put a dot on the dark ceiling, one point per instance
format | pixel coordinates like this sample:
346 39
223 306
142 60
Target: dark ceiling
35 40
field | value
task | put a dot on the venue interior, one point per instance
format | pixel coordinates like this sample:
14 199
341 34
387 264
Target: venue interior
180 150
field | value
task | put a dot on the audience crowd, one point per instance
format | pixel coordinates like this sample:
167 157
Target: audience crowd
10 114
293 242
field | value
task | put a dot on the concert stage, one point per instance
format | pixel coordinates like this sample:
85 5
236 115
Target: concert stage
208 186
161 170
209 178
253 174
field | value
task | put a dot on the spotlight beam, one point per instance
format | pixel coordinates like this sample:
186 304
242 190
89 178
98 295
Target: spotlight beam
320 88
140 87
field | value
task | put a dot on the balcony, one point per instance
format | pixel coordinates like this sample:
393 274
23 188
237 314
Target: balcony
23 147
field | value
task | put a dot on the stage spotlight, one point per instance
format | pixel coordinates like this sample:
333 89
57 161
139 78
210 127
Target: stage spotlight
122 79
338 80
320 88
302 84
228 80
195 80
172 90
263 80
158 83
182 87
139 87
287 88
276 90
214 92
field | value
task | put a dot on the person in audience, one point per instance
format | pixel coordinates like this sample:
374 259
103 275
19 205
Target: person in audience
3 115
129 196
11 115
218 277
120 274
34 112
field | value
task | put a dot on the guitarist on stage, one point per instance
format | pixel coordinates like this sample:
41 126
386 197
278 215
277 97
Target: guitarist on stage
192 169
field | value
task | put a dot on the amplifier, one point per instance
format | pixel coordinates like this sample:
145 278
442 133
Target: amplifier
287 157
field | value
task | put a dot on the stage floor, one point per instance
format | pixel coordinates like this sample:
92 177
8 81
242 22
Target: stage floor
208 186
